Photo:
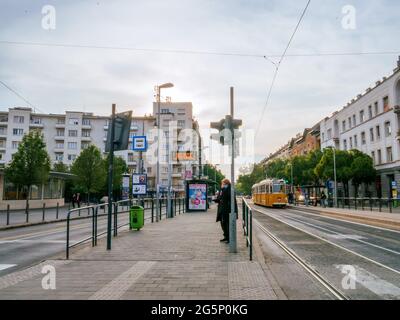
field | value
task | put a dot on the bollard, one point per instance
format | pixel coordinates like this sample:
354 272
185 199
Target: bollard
390 205
8 214
57 211
44 210
152 210
27 213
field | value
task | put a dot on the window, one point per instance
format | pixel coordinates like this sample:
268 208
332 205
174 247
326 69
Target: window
2 143
149 170
355 141
323 137
85 133
329 134
370 112
72 133
389 154
85 145
18 132
72 145
164 110
60 132
3 131
385 104
71 157
181 123
351 143
130 157
354 120
363 140
73 121
59 144
181 112
349 120
388 129
18 119
343 126
376 108
373 157
1 155
345 144
86 122
59 156
362 116
15 144
371 134
60 120
378 132
379 157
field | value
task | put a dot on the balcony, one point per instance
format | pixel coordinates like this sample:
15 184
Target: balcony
176 175
59 137
34 124
86 126
3 134
86 138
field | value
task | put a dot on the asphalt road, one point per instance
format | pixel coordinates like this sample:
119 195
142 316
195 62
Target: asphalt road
362 262
24 247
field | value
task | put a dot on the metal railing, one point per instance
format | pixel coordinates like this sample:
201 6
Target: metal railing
389 205
247 224
118 209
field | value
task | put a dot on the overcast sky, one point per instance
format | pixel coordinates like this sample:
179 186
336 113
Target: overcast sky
307 89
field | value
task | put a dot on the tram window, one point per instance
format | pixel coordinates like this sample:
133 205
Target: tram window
278 188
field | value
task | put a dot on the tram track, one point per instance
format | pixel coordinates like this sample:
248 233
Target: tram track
322 277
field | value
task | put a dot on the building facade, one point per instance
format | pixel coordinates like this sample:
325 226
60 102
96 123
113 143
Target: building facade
66 135
370 123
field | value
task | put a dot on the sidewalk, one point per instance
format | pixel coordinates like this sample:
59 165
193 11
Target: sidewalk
179 259
380 219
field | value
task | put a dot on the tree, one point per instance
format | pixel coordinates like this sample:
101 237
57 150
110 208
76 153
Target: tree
246 182
120 167
213 173
89 170
60 167
362 170
30 165
276 169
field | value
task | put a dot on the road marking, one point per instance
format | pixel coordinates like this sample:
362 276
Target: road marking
330 242
350 237
115 289
6 266
373 283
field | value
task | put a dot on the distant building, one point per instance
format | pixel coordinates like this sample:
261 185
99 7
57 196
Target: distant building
370 123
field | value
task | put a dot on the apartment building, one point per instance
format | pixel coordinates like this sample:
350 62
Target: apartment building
176 121
370 123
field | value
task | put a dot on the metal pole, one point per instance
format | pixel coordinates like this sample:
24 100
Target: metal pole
110 178
291 174
169 204
158 153
334 172
232 219
8 214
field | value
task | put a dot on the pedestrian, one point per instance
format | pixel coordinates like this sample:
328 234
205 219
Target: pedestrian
290 197
78 199
323 199
224 209
73 200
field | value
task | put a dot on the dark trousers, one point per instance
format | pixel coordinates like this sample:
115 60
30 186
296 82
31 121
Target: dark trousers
225 226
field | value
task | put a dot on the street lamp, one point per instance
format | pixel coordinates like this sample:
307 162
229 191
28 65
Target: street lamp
163 86
334 173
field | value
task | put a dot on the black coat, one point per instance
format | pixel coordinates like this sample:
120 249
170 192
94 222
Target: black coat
224 204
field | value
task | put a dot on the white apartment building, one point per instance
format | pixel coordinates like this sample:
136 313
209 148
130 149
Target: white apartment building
66 135
370 123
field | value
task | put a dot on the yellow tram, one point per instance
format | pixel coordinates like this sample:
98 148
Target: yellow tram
270 193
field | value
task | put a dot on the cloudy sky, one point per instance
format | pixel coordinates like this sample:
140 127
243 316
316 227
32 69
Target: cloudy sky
307 89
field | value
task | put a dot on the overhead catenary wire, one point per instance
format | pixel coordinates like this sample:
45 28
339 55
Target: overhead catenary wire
279 64
20 96
198 52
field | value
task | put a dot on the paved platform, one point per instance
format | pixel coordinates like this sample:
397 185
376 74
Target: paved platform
380 219
178 259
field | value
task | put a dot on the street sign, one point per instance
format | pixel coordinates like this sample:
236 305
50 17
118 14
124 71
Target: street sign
122 125
138 178
139 189
139 143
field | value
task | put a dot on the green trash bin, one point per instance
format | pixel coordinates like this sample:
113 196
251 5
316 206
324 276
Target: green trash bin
136 217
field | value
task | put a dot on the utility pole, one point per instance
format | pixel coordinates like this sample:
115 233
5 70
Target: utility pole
158 155
169 204
334 173
110 178
232 217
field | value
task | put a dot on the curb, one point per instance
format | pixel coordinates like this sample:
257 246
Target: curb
394 225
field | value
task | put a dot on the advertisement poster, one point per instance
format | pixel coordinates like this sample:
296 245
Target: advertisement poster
125 187
139 189
197 196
